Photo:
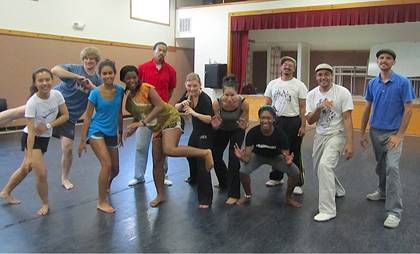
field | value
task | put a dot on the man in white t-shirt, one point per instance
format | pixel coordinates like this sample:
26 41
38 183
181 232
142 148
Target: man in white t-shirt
329 106
287 95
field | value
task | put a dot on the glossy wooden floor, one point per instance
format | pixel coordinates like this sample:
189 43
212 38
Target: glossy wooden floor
266 225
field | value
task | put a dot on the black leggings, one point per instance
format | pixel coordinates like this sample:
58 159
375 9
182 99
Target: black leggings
198 171
290 126
228 178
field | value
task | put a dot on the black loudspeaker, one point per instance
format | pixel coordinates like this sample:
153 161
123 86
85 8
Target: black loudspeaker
3 104
214 74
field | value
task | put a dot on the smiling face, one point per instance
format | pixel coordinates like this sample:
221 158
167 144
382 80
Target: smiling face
43 82
90 63
385 61
288 68
266 121
131 79
193 87
107 75
324 78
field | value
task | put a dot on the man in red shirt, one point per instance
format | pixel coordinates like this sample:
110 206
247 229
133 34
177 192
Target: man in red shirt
162 76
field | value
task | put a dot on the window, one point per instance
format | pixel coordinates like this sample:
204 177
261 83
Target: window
155 11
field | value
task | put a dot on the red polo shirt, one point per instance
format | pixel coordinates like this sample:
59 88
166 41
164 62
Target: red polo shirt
163 80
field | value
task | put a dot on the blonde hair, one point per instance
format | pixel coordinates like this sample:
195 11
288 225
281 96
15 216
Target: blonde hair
90 52
193 76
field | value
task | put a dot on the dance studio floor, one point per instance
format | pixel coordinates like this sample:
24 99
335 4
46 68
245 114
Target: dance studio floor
266 225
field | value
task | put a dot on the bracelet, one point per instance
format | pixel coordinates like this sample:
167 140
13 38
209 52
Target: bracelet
248 196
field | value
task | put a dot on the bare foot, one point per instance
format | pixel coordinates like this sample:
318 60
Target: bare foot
67 184
204 206
155 202
209 160
105 207
290 201
231 201
243 201
9 199
43 210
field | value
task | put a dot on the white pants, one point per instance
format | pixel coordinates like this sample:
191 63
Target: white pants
326 153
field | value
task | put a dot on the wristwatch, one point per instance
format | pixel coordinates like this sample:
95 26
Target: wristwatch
49 126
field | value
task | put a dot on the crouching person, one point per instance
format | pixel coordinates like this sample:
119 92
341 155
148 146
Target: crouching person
266 144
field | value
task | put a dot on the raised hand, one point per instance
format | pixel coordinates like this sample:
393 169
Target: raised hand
239 153
243 123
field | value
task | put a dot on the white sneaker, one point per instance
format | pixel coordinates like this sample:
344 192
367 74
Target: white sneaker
272 183
135 181
298 190
375 196
392 221
168 182
321 217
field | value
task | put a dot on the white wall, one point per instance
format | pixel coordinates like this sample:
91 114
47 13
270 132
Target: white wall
210 26
105 20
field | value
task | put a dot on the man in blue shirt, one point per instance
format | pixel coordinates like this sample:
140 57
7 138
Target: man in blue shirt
76 81
391 96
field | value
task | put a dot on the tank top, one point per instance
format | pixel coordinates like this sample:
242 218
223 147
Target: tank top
140 106
230 118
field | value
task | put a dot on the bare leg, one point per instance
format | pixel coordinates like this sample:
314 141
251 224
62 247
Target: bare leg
66 161
291 184
101 152
158 172
115 169
246 184
14 180
41 180
12 114
170 140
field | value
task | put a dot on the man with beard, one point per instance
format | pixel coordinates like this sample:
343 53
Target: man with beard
266 144
329 106
162 76
391 96
288 95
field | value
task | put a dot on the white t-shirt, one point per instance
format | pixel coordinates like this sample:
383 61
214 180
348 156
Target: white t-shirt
330 120
285 95
43 110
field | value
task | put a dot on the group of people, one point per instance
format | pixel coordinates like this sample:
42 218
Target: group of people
278 138
90 88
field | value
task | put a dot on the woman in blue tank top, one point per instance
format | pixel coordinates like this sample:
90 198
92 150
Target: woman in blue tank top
230 121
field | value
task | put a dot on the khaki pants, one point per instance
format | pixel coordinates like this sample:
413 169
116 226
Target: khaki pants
326 153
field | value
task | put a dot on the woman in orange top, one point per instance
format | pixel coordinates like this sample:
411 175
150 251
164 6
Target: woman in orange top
149 110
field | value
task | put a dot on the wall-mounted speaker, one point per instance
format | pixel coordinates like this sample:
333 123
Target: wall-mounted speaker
3 104
214 74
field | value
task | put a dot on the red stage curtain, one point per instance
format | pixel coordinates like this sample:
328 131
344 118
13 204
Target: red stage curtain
239 56
337 17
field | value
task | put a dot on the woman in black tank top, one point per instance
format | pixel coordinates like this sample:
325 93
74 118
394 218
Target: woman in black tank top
230 121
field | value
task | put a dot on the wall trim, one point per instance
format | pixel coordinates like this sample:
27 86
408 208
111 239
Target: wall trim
82 40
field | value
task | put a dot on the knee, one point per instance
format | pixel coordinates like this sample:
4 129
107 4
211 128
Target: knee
41 177
67 150
106 165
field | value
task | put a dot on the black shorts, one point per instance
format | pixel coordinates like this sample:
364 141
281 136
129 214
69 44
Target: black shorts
65 130
110 141
40 143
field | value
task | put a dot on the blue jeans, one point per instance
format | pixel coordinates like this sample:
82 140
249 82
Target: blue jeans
143 140
388 170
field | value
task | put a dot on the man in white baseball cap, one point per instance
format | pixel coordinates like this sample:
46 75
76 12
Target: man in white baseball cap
329 106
